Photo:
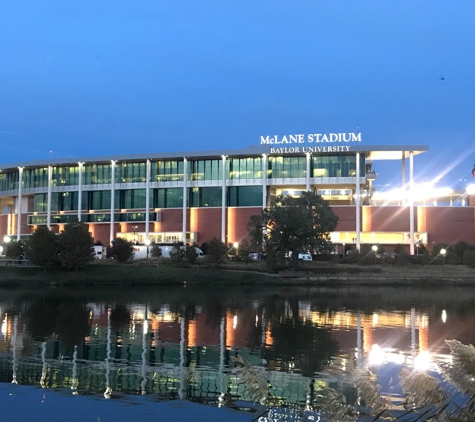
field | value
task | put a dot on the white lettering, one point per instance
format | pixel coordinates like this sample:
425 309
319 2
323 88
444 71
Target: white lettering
301 138
265 140
356 138
333 137
310 138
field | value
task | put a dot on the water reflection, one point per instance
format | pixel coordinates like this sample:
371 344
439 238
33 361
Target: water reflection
180 343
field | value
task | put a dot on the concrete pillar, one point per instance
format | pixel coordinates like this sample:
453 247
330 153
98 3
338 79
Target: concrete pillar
264 180
147 200
223 199
403 177
411 200
18 208
112 231
81 165
185 196
358 203
48 201
307 175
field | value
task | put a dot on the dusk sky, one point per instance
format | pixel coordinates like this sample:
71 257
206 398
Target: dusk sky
87 77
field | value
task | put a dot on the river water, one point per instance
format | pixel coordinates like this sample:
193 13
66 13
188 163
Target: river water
188 345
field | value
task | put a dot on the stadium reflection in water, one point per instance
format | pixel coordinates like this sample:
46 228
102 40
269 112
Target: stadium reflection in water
180 343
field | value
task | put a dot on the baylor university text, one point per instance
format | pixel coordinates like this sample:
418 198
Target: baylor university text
311 137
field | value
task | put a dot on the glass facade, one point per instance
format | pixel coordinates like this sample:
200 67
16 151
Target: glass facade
96 174
245 168
244 196
167 198
206 170
131 198
131 172
60 201
336 166
35 178
204 197
167 171
63 176
284 167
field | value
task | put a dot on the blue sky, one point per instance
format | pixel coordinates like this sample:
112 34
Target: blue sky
93 78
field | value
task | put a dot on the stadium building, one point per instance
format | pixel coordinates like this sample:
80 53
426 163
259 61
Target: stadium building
194 196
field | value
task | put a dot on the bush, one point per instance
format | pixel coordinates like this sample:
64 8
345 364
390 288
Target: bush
156 251
177 253
469 258
14 250
122 250
42 248
190 254
76 245
217 251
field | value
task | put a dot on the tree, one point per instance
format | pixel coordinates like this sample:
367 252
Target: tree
177 253
13 249
156 251
293 225
76 245
217 251
122 250
42 247
190 254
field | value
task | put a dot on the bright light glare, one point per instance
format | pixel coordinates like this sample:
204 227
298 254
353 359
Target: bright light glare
235 321
422 361
471 189
444 316
6 239
443 251
422 191
376 355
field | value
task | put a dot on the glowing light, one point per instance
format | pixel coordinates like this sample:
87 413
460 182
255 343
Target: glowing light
4 326
444 316
6 239
422 361
235 321
375 319
374 248
443 252
376 355
470 189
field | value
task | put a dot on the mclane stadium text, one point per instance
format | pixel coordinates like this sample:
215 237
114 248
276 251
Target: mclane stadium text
311 137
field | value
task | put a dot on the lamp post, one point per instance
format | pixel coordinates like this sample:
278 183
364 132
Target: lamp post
443 252
147 243
375 249
135 228
236 246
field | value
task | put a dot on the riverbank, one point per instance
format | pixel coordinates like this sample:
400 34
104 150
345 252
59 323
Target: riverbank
113 274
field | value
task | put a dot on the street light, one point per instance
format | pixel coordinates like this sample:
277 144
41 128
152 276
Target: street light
147 243
236 246
6 239
135 228
375 249
443 252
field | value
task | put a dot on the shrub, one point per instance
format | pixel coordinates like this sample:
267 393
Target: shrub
469 258
156 251
217 251
76 245
177 253
13 249
122 250
42 247
190 254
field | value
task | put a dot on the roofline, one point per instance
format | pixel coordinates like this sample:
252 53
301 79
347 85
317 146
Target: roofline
250 150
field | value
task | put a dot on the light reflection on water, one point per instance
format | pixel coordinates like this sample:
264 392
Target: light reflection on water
180 344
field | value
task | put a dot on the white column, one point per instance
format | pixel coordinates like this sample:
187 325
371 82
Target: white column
403 178
48 201
358 203
307 177
359 341
264 180
147 200
112 231
411 200
18 208
185 196
80 190
223 200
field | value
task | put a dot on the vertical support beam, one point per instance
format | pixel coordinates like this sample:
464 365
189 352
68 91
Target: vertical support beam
112 223
48 201
358 203
223 199
81 165
403 177
147 199
411 200
18 208
185 196
264 180
307 174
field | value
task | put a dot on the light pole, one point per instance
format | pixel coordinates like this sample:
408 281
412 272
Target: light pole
147 243
443 252
236 246
135 228
375 249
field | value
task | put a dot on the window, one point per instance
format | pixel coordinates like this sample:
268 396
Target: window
244 196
